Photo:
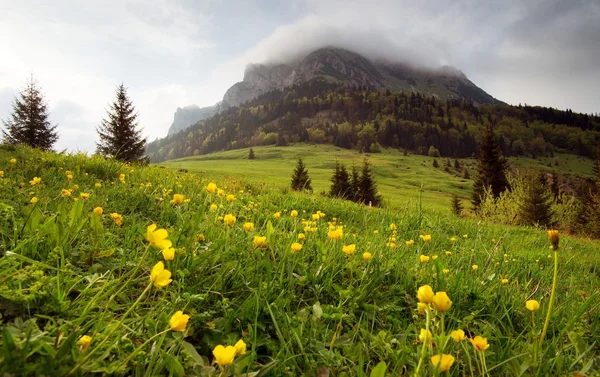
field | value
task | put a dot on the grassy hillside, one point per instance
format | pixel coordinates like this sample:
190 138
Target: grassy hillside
399 177
81 292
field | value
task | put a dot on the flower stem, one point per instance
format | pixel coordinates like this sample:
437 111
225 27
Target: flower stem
424 349
142 346
552 296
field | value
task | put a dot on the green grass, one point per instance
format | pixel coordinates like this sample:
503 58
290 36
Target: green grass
66 272
399 177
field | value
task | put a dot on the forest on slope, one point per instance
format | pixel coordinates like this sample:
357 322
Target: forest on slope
365 119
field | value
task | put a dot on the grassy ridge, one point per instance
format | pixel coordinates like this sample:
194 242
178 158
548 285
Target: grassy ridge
66 272
399 177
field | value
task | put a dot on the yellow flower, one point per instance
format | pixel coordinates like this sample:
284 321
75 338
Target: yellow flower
424 258
425 294
200 237
532 305
33 200
277 215
213 207
1 173
553 237
349 249
224 355
475 267
211 188
220 192
122 178
452 239
69 177
68 172
448 253
98 185
504 281
367 256
13 160
294 213
84 195
393 226
434 257
66 192
296 247
157 237
425 336
479 343
159 276
168 253
336 234
35 181
301 236
315 216
230 198
421 307
177 199
248 226
441 302
375 232
426 238
84 341
442 362
98 211
410 242
445 270
259 241
179 321
229 219
465 236
240 348
117 218
458 335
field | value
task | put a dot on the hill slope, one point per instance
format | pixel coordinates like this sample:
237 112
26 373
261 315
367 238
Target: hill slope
81 294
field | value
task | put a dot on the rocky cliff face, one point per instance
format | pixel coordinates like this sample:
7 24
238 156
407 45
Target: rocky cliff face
190 115
345 67
349 68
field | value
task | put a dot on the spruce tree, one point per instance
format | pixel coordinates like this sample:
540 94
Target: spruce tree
355 193
251 154
120 137
491 169
457 165
435 164
29 122
368 187
456 205
300 179
536 208
340 182
466 174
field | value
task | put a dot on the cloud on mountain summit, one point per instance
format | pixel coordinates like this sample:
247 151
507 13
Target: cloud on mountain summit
175 53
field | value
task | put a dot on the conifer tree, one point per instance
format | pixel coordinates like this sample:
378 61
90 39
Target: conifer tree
368 187
536 208
29 122
340 182
457 165
435 164
457 207
355 193
491 169
466 174
300 179
120 136
251 154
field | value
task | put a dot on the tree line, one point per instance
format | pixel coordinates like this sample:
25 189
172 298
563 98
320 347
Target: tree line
119 134
357 187
366 120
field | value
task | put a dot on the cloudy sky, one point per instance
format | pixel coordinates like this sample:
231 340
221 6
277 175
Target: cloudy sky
172 53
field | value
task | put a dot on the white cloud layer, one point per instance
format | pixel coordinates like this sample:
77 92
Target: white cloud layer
175 53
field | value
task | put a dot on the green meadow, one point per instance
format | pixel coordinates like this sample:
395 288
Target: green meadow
112 269
400 178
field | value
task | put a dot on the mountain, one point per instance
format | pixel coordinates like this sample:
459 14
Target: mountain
190 115
349 68
340 66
